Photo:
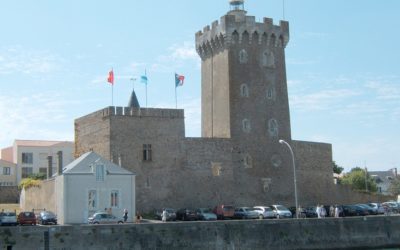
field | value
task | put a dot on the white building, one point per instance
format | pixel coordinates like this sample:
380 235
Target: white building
30 156
90 184
87 185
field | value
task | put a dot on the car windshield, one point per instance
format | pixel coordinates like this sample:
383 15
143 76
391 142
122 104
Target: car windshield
228 208
282 208
47 213
205 210
8 214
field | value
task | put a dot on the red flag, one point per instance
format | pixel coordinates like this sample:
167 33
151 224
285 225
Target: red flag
110 78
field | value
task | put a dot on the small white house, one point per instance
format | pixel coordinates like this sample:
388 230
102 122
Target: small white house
90 184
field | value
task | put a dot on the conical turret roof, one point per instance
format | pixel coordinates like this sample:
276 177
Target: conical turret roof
133 101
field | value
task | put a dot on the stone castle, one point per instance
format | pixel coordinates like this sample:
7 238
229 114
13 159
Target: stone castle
245 112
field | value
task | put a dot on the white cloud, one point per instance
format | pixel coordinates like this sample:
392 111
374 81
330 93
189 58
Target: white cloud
322 100
30 117
17 60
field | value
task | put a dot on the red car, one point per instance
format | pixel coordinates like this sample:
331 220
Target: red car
26 218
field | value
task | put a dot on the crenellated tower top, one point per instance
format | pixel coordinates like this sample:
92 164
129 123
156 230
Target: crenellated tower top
234 25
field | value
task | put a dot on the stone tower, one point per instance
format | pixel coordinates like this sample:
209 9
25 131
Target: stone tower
244 85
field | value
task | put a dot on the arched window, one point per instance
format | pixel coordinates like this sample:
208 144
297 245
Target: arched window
271 94
243 57
246 125
244 90
248 161
273 129
268 59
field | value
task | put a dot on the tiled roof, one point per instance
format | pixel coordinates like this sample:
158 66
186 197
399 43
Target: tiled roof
38 143
83 165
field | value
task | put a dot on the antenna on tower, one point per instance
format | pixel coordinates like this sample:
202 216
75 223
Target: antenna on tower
283 9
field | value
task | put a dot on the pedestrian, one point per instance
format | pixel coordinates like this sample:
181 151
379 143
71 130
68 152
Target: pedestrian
331 211
318 211
337 211
138 217
322 211
125 215
164 215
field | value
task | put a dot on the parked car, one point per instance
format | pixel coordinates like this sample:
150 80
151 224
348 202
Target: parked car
370 210
224 211
47 217
171 214
8 219
281 211
245 213
26 218
104 218
264 212
310 212
354 210
186 214
391 206
205 214
378 207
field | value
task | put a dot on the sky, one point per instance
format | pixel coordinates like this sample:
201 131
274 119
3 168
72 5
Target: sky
341 62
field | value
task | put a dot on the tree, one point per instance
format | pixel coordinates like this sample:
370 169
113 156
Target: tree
394 187
336 168
357 178
37 176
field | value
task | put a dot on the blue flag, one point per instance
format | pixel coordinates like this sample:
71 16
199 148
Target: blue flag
143 79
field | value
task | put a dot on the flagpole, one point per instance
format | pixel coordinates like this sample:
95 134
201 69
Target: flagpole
112 94
176 98
146 95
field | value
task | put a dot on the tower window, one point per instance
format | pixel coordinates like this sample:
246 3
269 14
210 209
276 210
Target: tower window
147 154
246 125
216 168
273 128
268 59
271 93
244 90
243 57
248 161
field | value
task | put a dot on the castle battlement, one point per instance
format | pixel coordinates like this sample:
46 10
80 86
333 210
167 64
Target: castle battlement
138 112
237 28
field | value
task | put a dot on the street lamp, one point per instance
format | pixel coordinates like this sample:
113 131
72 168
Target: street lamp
294 176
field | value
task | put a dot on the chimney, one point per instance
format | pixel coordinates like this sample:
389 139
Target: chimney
60 163
49 166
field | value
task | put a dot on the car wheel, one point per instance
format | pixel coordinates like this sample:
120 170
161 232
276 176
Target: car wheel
120 222
261 217
278 216
96 222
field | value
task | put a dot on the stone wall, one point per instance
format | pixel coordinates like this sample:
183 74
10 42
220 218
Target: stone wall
9 194
331 233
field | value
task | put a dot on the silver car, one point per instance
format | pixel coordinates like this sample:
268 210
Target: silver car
281 211
265 212
104 218
8 219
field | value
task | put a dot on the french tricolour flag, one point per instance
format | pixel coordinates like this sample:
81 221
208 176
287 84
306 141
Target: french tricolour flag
179 80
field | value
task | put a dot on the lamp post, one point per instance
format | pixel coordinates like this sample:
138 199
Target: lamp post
294 175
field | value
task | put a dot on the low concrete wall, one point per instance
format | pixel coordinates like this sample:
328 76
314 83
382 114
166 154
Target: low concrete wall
330 233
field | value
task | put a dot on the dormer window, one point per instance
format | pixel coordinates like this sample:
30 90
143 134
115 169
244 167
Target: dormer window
99 172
